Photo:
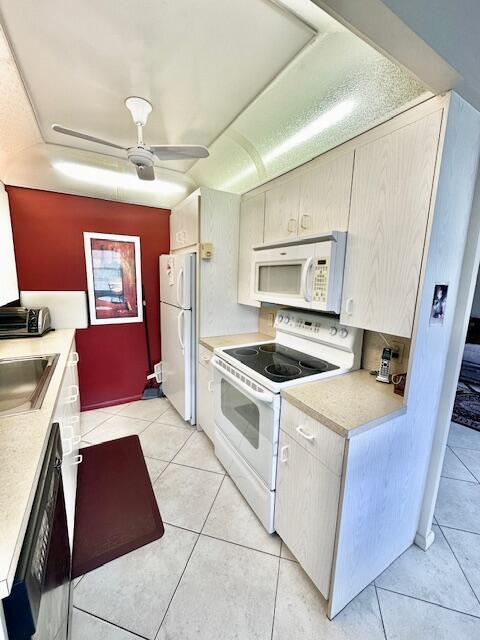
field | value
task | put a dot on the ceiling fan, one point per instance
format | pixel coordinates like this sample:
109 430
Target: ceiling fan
141 156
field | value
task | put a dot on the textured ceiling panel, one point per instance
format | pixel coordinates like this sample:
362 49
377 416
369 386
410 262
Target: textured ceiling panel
18 128
335 89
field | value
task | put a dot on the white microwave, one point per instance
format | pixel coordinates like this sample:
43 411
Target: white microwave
305 272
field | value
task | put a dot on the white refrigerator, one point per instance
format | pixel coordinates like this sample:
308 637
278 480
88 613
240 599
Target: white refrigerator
177 296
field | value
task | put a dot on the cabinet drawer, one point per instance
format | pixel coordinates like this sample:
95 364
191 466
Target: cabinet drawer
204 355
306 506
323 443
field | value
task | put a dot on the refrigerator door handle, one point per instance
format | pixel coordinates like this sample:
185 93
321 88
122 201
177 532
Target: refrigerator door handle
180 279
180 329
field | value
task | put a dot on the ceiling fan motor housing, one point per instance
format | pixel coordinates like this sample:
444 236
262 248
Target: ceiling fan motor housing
140 157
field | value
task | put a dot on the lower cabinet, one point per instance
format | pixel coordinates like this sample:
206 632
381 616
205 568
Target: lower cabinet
306 507
67 414
205 414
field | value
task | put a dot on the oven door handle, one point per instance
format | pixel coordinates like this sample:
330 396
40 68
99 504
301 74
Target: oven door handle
258 395
307 269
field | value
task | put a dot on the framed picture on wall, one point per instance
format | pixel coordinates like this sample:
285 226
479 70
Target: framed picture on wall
113 277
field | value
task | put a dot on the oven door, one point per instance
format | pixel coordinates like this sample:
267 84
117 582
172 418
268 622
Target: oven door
248 416
284 275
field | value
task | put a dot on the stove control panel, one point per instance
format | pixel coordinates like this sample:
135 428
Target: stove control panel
315 326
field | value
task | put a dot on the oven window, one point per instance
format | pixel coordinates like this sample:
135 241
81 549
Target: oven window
280 278
241 412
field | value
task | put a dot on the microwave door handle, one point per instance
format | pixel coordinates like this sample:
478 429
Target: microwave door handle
258 395
306 289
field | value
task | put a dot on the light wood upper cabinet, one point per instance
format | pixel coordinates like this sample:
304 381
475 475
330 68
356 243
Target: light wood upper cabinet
184 223
325 197
281 211
252 213
391 192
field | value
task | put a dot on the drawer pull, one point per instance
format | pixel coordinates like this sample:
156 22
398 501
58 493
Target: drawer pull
307 436
206 358
283 453
210 386
78 459
74 360
292 225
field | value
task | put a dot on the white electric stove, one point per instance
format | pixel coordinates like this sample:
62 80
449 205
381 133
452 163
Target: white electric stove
247 385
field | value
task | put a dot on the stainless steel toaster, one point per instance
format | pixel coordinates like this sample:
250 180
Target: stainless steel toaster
24 322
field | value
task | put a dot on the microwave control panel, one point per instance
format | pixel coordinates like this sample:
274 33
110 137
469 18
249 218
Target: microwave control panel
320 280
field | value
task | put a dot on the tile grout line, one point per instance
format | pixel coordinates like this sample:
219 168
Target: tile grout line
380 610
244 546
276 593
186 564
113 624
459 564
462 462
447 526
434 604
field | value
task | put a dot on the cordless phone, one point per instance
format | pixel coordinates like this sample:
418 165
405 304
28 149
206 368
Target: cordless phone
384 370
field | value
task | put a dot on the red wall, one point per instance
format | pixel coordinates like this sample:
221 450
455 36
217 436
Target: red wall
48 235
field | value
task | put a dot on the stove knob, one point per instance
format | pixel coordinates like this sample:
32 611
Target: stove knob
333 331
286 319
280 318
343 333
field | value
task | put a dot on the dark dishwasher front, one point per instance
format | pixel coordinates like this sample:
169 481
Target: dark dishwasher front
38 605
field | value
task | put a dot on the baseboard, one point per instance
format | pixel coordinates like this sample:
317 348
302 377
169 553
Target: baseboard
109 403
424 542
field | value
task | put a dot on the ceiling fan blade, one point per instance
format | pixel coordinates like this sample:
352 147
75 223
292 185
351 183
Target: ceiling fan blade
179 151
144 172
84 136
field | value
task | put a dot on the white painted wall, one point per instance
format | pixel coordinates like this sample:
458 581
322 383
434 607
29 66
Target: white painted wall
8 269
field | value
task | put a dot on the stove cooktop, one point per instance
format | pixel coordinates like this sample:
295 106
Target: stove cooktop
279 363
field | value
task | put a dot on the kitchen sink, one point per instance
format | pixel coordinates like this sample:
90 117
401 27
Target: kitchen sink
24 382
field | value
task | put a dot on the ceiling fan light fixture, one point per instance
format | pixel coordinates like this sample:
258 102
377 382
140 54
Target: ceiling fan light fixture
139 108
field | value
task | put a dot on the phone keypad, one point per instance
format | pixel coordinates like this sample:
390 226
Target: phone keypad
320 282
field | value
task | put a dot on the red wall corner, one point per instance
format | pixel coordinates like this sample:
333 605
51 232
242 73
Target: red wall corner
48 235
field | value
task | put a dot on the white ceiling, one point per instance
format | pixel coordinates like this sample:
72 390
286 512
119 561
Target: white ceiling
243 77
199 63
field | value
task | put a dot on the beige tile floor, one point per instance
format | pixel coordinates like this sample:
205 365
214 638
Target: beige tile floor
217 575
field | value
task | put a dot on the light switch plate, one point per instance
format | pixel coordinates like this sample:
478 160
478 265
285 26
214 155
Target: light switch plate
206 250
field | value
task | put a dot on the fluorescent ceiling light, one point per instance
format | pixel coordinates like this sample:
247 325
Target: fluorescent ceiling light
324 121
116 179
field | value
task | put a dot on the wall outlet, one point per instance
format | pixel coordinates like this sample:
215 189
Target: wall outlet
398 348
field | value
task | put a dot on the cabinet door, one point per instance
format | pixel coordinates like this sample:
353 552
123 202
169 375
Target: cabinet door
392 187
175 230
325 197
306 506
190 220
281 211
8 269
184 223
252 217
205 400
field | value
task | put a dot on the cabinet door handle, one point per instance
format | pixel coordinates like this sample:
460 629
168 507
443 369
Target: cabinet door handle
184 236
304 221
74 360
283 453
78 459
178 237
292 225
210 386
349 306
308 436
73 394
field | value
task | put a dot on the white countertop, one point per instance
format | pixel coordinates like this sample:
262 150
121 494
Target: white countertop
23 442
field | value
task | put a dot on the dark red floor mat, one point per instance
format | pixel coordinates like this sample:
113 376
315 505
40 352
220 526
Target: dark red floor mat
116 510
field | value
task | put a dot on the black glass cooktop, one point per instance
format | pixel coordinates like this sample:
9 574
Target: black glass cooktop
279 363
